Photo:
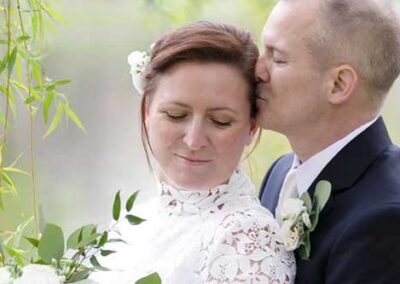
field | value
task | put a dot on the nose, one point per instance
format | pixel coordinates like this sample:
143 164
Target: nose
195 135
262 73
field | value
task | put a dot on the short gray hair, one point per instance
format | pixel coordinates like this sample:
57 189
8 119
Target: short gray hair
363 34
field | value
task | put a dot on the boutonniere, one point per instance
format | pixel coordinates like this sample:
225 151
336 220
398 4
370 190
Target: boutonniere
300 218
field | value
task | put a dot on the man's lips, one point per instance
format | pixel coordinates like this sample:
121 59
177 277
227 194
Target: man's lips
193 160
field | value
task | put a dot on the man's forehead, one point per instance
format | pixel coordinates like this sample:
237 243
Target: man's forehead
289 17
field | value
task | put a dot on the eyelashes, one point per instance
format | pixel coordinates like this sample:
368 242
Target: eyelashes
180 117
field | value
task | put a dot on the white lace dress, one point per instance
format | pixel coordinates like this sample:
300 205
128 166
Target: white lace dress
222 235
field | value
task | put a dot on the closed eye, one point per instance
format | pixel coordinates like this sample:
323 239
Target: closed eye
220 123
175 116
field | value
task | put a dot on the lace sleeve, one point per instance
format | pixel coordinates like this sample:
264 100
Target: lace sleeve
246 249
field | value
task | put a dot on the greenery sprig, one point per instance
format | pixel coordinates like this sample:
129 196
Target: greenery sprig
76 258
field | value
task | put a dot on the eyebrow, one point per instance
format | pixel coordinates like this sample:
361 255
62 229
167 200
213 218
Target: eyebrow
275 48
209 109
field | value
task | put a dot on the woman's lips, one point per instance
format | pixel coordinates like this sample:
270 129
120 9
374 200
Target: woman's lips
192 160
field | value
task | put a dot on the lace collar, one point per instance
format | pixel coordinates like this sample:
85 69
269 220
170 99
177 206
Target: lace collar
173 201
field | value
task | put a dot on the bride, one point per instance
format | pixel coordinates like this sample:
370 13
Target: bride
198 113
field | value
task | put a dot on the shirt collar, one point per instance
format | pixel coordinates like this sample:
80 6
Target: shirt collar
308 171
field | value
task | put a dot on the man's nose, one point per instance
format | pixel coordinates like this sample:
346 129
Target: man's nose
195 135
262 73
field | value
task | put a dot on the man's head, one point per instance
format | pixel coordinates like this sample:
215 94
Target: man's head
324 60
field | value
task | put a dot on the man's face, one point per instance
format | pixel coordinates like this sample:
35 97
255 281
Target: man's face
291 89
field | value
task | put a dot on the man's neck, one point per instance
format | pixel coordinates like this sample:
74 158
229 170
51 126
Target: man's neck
317 138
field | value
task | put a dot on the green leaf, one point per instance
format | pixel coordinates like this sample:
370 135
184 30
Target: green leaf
117 206
29 100
134 220
16 253
8 181
56 120
314 216
20 86
73 239
131 201
305 248
80 275
11 60
96 264
82 237
15 170
153 278
47 104
23 38
117 241
74 118
33 241
322 193
307 201
51 245
36 70
62 82
3 64
103 240
51 13
106 252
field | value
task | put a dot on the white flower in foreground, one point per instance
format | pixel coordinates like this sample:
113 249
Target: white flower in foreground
293 208
138 61
291 236
5 276
39 274
295 219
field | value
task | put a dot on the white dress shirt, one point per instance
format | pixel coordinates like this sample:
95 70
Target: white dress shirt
309 170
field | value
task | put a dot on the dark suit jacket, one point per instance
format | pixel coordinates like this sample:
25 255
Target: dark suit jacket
357 239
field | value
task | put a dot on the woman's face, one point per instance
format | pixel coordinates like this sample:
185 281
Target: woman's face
198 123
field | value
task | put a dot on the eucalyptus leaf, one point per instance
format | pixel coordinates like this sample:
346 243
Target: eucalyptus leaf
322 193
73 239
117 206
82 237
153 278
131 201
134 220
51 245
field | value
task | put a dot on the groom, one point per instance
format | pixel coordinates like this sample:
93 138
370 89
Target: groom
323 79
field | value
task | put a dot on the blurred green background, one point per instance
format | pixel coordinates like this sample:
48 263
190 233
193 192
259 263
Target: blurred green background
78 173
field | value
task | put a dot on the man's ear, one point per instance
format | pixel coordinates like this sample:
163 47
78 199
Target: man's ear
343 84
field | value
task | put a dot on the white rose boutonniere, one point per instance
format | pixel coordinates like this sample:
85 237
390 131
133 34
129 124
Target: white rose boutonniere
300 218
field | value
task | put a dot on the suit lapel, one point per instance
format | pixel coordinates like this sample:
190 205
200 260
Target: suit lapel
352 161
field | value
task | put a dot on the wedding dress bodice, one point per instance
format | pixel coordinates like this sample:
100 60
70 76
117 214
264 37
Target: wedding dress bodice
222 235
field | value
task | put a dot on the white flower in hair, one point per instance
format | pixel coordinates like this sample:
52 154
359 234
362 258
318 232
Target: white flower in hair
138 61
